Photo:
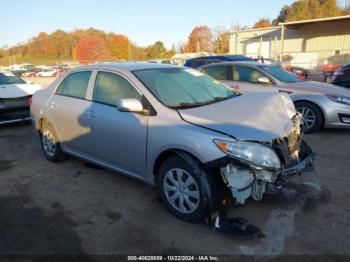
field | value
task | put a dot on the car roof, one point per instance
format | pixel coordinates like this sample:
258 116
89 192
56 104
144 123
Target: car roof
221 57
126 66
248 63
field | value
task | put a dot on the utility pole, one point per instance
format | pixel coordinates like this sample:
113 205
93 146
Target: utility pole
197 42
129 50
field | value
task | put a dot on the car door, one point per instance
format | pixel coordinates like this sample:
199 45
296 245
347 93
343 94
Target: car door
220 73
116 138
66 107
245 79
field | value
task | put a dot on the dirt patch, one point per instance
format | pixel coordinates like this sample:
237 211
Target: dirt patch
32 231
313 203
5 165
114 216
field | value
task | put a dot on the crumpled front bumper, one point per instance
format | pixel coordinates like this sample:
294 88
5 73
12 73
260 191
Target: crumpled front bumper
246 181
305 165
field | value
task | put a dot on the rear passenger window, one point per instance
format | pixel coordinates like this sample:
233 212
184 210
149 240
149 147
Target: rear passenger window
109 88
75 85
218 72
245 74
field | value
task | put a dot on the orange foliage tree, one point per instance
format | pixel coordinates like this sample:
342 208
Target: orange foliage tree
119 47
91 49
262 23
200 39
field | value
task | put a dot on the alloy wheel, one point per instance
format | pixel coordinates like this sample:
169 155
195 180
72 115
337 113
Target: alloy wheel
308 117
48 143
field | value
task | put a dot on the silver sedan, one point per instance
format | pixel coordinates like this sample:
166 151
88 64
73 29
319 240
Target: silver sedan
174 128
322 105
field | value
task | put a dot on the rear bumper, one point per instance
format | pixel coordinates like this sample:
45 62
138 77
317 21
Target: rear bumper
12 115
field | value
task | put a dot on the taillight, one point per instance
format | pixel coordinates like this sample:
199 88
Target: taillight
338 73
30 101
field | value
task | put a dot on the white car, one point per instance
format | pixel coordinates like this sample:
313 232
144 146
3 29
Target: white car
15 98
48 73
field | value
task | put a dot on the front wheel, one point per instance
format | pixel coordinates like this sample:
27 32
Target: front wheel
312 116
181 190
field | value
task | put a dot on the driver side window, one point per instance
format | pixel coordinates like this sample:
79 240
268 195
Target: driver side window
110 87
245 74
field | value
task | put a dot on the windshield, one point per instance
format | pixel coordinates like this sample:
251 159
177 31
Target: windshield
280 74
183 88
8 78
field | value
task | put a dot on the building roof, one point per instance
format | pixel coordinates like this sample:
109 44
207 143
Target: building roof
318 20
191 55
296 23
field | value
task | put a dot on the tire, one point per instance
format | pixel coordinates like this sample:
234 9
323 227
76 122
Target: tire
195 206
49 143
314 116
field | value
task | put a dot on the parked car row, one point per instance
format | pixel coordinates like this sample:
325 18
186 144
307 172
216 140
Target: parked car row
35 72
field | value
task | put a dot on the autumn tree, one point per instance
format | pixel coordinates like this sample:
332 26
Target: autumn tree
262 23
81 44
200 39
119 47
91 49
309 9
156 51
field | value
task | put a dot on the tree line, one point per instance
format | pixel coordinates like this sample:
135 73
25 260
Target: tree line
87 46
96 45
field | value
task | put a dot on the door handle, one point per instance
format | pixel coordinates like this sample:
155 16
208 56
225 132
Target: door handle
285 91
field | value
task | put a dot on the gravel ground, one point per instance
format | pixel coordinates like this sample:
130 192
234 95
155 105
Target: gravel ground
77 208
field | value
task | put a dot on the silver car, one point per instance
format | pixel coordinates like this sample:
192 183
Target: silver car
174 128
322 105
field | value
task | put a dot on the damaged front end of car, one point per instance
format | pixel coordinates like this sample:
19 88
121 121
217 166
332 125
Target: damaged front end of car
252 169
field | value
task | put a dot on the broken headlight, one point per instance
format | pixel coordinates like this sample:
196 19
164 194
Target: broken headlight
256 155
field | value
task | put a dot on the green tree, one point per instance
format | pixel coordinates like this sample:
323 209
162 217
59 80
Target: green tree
156 51
309 9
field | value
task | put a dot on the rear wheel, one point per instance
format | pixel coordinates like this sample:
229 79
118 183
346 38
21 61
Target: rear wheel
49 143
312 116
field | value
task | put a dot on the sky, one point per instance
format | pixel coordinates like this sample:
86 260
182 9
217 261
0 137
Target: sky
143 21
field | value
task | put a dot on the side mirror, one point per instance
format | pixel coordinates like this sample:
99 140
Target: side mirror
264 80
129 105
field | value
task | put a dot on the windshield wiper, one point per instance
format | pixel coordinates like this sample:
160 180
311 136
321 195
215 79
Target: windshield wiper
204 103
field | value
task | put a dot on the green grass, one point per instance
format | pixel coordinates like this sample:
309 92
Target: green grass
4 61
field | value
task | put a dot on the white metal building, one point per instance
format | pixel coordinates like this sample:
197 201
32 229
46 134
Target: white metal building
306 43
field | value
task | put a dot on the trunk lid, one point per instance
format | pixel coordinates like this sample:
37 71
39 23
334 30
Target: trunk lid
18 90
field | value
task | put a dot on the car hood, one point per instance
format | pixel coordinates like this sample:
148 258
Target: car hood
250 117
18 90
320 88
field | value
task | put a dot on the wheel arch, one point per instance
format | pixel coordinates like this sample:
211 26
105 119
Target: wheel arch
185 155
324 115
